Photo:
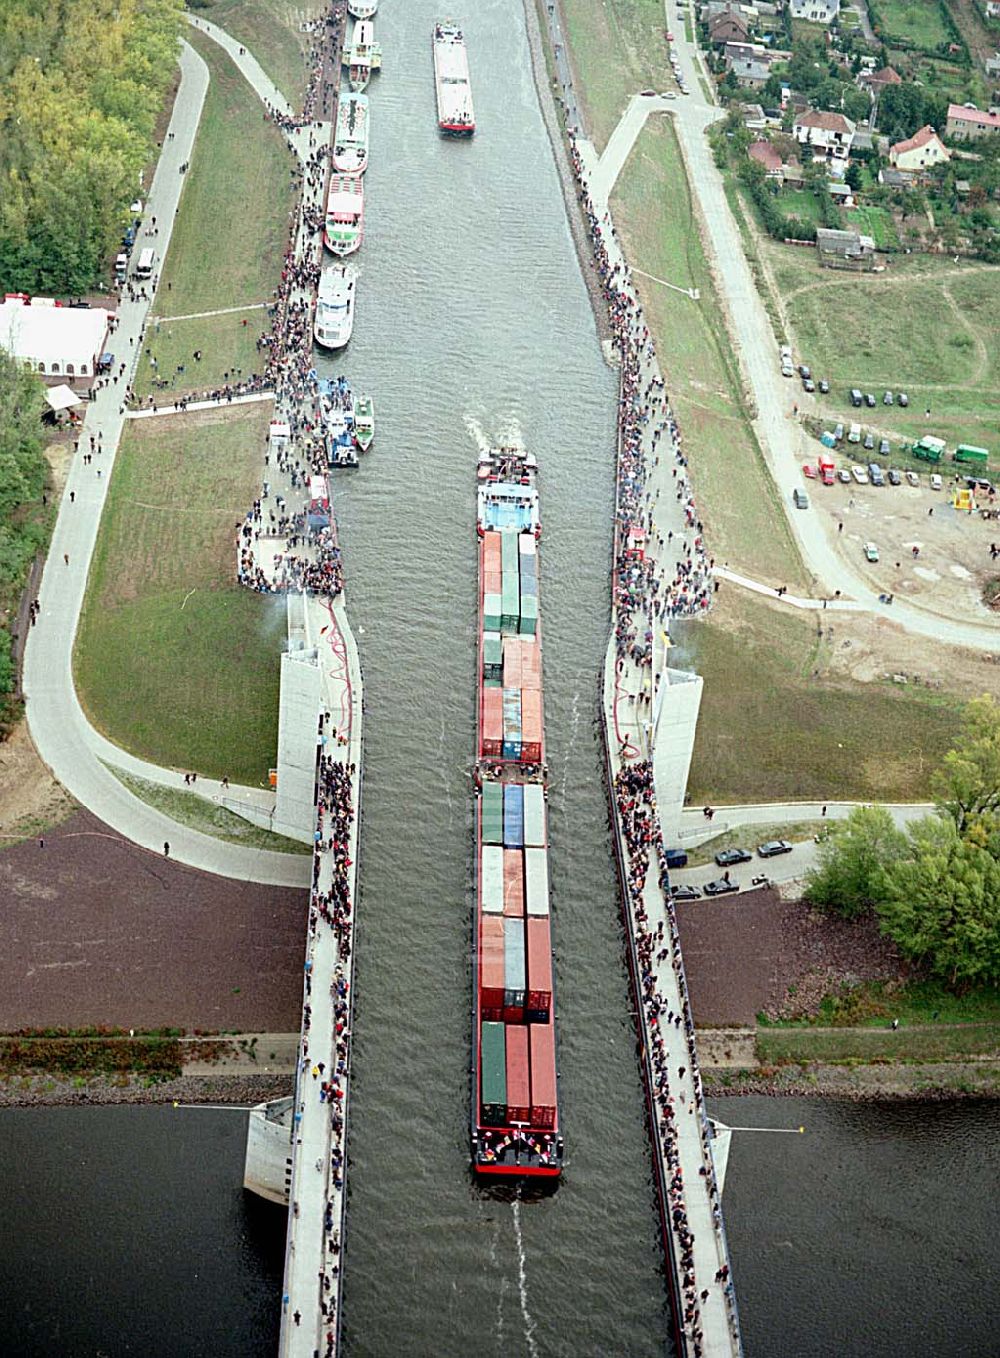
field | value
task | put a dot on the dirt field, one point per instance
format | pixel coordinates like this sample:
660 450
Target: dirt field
742 953
95 930
30 798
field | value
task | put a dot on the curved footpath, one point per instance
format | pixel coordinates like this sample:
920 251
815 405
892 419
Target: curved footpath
66 741
781 437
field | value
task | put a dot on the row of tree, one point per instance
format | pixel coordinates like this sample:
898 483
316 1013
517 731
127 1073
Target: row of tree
935 887
24 520
82 83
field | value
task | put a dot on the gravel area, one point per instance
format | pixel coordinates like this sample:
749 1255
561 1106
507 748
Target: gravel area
47 1090
742 954
96 930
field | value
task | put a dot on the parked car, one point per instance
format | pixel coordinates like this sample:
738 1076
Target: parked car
647 94
913 478
773 847
809 470
674 858
844 475
800 498
894 477
904 400
871 551
719 887
869 440
727 858
854 433
808 384
860 475
786 352
884 448
936 482
804 370
875 474
979 483
669 94
685 893
869 400
838 432
824 386
887 399
787 370
856 398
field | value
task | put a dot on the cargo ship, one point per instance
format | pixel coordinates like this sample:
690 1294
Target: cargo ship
343 229
456 117
350 144
515 1106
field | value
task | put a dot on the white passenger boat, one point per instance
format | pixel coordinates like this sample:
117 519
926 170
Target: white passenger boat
364 422
344 227
456 117
362 9
350 144
335 306
363 56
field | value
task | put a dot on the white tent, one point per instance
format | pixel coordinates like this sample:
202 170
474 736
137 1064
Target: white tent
54 340
62 397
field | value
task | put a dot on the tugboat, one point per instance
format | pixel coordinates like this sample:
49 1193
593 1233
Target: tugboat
344 227
451 81
364 422
515 1129
335 306
350 145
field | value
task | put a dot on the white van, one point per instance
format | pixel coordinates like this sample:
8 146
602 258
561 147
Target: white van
854 434
144 269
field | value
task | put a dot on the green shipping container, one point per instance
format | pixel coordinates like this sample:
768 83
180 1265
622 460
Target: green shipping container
492 612
493 1074
529 615
508 551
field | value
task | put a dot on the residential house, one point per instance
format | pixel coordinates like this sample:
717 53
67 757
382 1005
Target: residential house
754 117
876 81
993 65
815 11
767 155
993 9
844 249
728 26
829 134
966 123
750 74
919 152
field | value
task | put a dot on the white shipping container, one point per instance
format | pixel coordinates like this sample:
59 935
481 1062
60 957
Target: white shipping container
491 879
526 544
534 815
536 882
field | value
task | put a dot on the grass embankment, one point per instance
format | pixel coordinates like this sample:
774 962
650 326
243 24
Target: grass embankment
187 808
173 661
927 326
272 31
749 836
738 503
227 242
776 724
158 1055
617 50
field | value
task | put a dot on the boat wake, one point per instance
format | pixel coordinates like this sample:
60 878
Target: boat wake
522 1281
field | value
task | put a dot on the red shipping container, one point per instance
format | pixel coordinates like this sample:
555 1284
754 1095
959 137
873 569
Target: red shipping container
492 582
491 730
492 557
513 883
511 665
531 664
539 964
518 1077
531 726
543 1074
491 966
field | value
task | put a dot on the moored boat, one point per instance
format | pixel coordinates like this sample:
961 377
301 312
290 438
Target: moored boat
343 229
362 9
364 422
363 56
335 306
515 1107
456 116
350 143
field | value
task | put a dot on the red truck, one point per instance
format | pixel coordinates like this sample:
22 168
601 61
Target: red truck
827 470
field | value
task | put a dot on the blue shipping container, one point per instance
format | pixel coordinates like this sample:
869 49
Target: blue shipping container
513 814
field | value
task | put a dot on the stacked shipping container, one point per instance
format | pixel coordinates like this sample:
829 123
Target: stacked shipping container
510 719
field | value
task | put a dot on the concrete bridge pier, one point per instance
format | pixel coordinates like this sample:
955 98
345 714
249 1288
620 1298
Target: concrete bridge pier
267 1169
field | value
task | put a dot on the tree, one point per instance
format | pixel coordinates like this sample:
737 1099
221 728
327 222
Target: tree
941 904
852 862
967 786
854 178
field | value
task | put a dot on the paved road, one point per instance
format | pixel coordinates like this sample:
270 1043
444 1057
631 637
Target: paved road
65 739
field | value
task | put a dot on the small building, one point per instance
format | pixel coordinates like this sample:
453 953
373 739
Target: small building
842 194
754 117
895 179
750 73
966 123
963 187
767 155
829 133
993 65
814 11
919 152
728 26
844 249
876 81
862 140
993 9
55 341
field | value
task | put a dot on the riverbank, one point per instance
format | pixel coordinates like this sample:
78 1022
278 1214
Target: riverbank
43 1090
877 1083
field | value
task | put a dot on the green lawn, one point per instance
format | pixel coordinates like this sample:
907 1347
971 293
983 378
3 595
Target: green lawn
920 1003
230 232
776 1046
225 343
744 521
801 203
926 326
777 724
187 808
749 836
877 223
914 21
272 31
173 661
618 47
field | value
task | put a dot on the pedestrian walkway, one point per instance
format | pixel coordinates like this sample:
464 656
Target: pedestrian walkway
184 406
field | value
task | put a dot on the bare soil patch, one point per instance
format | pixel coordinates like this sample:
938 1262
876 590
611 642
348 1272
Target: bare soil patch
30 798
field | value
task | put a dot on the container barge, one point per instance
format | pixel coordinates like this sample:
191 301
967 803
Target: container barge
456 117
515 1104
